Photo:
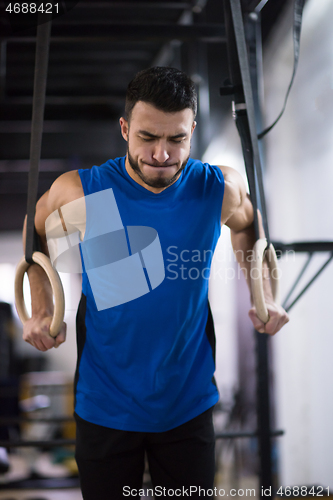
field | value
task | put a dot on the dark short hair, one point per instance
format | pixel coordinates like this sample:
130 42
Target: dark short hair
168 89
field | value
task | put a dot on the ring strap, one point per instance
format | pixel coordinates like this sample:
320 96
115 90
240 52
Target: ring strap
298 12
38 105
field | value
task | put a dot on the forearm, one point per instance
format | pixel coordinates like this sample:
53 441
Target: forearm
40 288
237 214
243 242
36 330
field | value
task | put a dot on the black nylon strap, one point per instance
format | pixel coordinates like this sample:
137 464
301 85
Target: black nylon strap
244 133
244 110
298 11
38 104
234 87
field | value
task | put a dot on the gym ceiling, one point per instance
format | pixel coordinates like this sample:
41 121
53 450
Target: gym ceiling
96 48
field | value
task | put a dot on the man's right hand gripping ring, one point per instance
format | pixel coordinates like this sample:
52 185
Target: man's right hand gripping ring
57 289
260 250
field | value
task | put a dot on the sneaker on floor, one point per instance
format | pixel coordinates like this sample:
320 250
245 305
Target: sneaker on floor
4 462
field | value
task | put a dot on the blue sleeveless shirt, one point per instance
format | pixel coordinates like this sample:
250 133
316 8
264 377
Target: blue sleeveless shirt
146 344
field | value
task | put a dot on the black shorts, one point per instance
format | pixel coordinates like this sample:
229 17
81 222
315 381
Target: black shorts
111 462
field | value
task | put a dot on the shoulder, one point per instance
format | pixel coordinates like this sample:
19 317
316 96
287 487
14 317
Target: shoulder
235 188
234 192
66 188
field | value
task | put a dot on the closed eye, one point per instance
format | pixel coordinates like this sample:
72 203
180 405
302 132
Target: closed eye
147 139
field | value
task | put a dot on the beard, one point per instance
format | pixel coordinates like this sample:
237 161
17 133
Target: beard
156 182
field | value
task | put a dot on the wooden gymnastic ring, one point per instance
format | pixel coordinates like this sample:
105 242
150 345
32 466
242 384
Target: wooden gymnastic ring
260 250
58 293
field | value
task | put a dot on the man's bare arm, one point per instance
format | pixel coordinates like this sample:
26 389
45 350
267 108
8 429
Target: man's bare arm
237 214
36 330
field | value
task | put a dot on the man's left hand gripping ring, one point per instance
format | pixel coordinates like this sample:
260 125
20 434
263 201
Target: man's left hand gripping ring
57 289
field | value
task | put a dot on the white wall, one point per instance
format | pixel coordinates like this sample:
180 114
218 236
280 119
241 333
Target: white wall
222 300
300 186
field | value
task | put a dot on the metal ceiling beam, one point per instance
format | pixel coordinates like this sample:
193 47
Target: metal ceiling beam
65 55
260 6
256 5
61 112
76 69
212 33
73 71
69 100
62 144
14 183
56 127
133 5
166 53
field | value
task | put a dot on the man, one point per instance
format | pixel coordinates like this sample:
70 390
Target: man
144 380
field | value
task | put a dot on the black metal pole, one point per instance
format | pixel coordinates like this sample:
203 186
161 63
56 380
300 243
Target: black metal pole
242 122
253 38
253 32
264 417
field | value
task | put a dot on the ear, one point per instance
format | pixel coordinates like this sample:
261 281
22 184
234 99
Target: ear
124 128
194 124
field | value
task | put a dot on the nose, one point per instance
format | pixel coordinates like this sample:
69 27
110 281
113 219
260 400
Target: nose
160 152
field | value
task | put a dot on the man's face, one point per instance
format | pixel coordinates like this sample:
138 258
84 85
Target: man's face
158 145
